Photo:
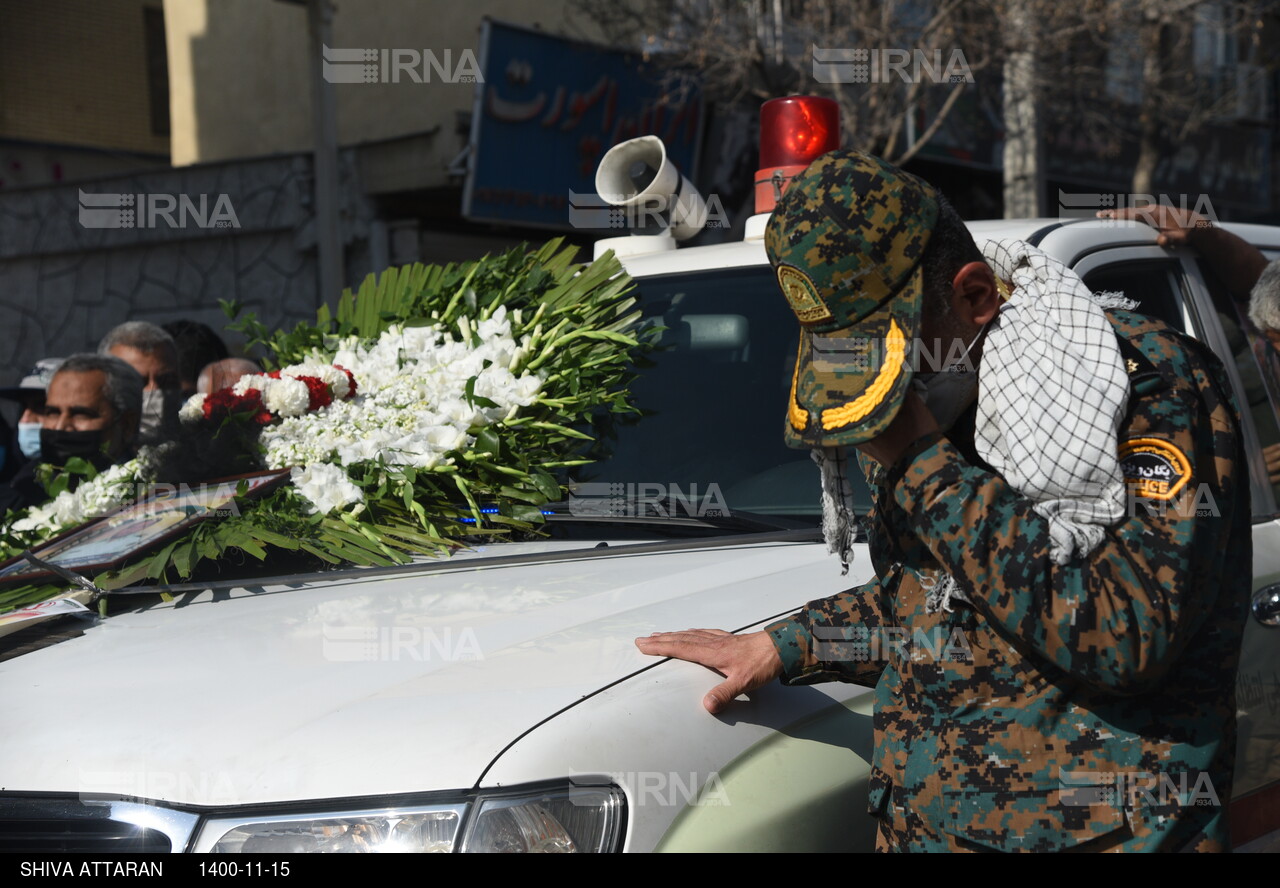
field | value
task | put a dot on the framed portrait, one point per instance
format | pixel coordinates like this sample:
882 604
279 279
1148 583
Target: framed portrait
165 512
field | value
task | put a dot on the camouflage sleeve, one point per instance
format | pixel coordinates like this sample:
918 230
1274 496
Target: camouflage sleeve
830 640
1119 617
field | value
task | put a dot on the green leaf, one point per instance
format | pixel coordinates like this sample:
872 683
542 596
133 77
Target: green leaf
250 546
487 442
126 576
531 514
158 563
275 539
208 546
533 497
78 465
183 557
465 490
563 430
57 484
318 552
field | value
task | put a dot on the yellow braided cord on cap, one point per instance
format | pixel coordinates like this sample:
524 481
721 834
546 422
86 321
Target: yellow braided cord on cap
895 346
795 413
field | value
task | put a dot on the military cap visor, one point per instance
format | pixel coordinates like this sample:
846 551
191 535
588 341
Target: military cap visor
849 384
846 243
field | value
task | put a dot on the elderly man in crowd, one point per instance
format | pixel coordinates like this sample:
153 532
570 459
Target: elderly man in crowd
91 411
150 351
1264 304
224 373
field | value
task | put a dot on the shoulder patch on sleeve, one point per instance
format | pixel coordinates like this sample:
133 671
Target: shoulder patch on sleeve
1154 468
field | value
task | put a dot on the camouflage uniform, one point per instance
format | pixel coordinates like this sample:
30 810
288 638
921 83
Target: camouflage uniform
1082 706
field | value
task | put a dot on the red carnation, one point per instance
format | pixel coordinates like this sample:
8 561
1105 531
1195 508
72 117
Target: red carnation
318 390
224 403
251 402
351 379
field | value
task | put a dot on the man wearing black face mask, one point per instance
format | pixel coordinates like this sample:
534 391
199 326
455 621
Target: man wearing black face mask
91 411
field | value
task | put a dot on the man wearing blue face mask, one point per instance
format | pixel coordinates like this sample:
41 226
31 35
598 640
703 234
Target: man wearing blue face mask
29 392
91 411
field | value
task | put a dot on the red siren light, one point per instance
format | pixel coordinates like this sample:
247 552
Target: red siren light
794 132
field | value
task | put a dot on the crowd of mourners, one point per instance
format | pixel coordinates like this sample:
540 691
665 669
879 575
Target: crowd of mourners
102 406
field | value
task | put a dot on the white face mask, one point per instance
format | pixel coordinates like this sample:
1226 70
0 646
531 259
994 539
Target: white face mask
949 393
159 416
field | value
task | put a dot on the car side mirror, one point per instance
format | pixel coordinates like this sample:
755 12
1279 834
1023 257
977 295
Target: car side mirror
1266 605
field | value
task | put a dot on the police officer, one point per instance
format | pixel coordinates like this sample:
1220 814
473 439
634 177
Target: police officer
1077 704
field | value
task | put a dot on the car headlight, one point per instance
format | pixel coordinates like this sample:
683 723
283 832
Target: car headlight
560 819
586 819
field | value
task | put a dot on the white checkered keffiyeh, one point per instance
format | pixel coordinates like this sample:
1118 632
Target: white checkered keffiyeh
1052 394
839 520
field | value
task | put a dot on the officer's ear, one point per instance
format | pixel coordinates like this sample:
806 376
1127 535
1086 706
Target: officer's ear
974 293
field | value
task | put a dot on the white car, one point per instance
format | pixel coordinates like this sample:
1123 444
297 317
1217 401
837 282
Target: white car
494 700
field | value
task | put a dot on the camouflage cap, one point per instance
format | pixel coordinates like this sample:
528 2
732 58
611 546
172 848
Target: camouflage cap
846 242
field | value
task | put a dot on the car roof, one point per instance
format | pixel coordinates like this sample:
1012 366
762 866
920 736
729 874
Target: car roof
1066 239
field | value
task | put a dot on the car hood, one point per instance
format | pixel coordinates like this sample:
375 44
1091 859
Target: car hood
383 685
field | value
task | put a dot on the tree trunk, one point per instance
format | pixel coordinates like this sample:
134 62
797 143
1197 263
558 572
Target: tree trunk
1149 113
1024 173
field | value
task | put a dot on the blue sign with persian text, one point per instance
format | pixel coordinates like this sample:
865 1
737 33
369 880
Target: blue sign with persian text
547 111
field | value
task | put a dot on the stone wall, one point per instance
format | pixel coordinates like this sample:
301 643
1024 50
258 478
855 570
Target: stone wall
64 283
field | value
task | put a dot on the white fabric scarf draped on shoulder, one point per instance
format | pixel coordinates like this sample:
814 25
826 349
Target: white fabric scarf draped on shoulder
1052 393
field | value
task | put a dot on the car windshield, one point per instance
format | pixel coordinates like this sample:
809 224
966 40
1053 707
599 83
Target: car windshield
712 398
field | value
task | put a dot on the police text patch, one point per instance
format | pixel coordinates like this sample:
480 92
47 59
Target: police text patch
1154 468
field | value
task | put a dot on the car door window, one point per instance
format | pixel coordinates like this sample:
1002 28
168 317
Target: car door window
1153 284
1257 366
1167 289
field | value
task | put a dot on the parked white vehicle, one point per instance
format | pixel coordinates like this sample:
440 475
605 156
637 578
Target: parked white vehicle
495 700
